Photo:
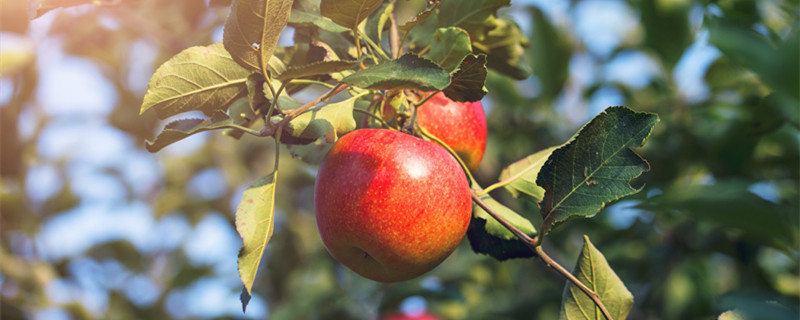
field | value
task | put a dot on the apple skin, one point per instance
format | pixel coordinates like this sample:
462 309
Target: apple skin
390 206
461 125
402 316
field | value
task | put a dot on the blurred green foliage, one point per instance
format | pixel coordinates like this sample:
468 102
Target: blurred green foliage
714 229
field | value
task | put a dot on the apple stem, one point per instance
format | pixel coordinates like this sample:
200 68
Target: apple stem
533 244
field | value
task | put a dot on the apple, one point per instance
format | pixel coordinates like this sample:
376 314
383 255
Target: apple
407 316
461 125
390 206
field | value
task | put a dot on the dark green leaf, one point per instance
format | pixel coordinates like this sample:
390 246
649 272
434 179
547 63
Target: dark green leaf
254 223
408 72
348 13
488 236
504 44
302 17
329 121
198 78
467 82
252 30
316 68
593 270
522 175
457 13
596 166
449 47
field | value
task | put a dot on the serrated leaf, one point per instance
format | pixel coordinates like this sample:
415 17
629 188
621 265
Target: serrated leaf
593 270
420 17
198 78
183 128
302 17
487 236
466 84
407 72
596 166
522 175
449 47
329 121
252 30
254 223
316 68
348 13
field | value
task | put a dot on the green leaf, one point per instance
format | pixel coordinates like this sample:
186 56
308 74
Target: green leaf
458 13
550 53
302 17
467 82
311 153
449 47
421 17
252 30
254 223
487 236
596 166
198 78
348 13
181 129
504 44
407 72
593 270
522 175
316 68
329 121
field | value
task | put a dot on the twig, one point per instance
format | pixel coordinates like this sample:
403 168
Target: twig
589 292
534 245
394 36
291 114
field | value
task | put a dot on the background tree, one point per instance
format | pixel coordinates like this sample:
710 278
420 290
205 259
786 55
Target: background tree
94 226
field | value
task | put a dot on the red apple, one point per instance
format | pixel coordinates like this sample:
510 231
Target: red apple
404 316
461 125
390 206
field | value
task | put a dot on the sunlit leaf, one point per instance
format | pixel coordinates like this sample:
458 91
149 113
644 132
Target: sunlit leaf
252 30
198 78
420 17
456 13
254 223
449 47
487 236
409 72
466 84
348 13
593 270
316 68
522 175
504 44
596 166
181 129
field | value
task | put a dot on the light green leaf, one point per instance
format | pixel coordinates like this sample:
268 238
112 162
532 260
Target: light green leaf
254 223
302 17
407 72
466 84
593 270
329 121
504 44
421 17
384 17
198 78
348 13
311 153
449 47
252 30
522 175
487 236
596 166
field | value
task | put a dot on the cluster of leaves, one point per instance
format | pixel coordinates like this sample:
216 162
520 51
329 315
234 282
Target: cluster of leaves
715 244
246 78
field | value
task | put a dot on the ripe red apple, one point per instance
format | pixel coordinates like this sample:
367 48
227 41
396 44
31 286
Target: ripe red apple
461 125
403 316
390 206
